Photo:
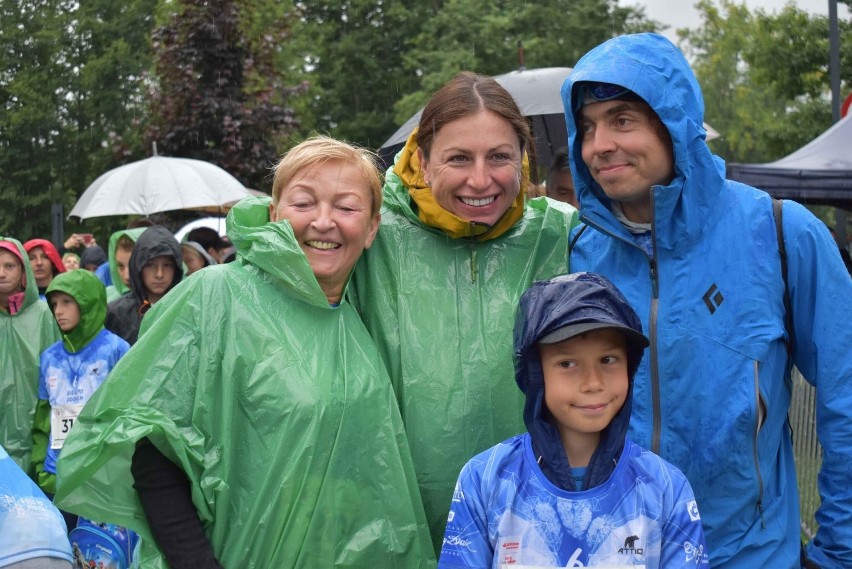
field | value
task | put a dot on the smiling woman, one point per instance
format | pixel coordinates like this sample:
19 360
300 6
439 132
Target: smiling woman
332 206
458 245
253 424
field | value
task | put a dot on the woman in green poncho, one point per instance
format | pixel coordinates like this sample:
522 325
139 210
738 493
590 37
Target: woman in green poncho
438 290
254 413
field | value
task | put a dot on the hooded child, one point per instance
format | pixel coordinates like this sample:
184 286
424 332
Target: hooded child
27 328
120 247
45 261
195 257
72 369
574 491
156 266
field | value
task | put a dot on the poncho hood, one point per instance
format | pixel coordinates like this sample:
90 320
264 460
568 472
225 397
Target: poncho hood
133 235
93 255
155 241
272 247
656 70
30 289
49 250
580 298
195 245
90 294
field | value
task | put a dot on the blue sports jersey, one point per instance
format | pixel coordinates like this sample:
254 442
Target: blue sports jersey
505 512
67 380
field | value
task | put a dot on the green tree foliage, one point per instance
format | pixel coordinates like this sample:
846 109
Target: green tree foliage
219 95
372 64
351 54
765 77
484 37
70 89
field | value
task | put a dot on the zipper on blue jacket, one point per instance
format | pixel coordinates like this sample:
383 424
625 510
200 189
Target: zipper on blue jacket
754 445
654 364
652 323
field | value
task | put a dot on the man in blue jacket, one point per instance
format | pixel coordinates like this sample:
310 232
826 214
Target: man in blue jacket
697 256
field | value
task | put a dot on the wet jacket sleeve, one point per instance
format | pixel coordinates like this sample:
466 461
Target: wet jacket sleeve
821 297
166 498
41 436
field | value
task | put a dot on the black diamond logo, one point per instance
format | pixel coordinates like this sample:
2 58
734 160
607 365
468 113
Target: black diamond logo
713 298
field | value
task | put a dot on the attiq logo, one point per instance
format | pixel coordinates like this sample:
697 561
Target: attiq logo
630 546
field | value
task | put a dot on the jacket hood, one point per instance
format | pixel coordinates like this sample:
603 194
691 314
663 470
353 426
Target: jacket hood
547 306
195 245
656 70
430 213
49 250
29 287
153 242
272 248
133 235
93 255
90 294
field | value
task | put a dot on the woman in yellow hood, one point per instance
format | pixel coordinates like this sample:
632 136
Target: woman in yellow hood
458 245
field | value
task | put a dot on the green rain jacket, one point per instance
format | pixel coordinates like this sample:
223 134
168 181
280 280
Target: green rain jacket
23 337
117 288
275 404
441 311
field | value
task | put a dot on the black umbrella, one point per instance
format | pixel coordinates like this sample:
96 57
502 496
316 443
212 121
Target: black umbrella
537 92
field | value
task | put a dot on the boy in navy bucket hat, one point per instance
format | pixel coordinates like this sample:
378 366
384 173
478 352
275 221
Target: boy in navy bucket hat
574 490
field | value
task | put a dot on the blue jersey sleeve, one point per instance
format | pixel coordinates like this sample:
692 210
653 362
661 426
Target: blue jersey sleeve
683 535
466 542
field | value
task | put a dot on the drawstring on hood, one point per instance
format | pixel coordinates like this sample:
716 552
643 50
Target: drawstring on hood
580 300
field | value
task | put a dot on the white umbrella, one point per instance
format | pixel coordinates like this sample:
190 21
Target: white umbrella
538 94
217 224
158 184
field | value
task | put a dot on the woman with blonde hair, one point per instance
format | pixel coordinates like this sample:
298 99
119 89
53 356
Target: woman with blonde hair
254 417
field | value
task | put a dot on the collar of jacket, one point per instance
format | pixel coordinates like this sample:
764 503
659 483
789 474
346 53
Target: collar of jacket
429 212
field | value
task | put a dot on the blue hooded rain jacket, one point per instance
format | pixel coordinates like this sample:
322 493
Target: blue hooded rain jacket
713 394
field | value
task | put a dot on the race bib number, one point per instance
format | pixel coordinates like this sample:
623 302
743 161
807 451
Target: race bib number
62 418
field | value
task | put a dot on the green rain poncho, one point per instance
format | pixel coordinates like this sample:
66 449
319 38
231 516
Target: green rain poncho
23 337
441 310
275 404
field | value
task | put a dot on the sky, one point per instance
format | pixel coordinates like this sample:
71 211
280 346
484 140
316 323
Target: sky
682 13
